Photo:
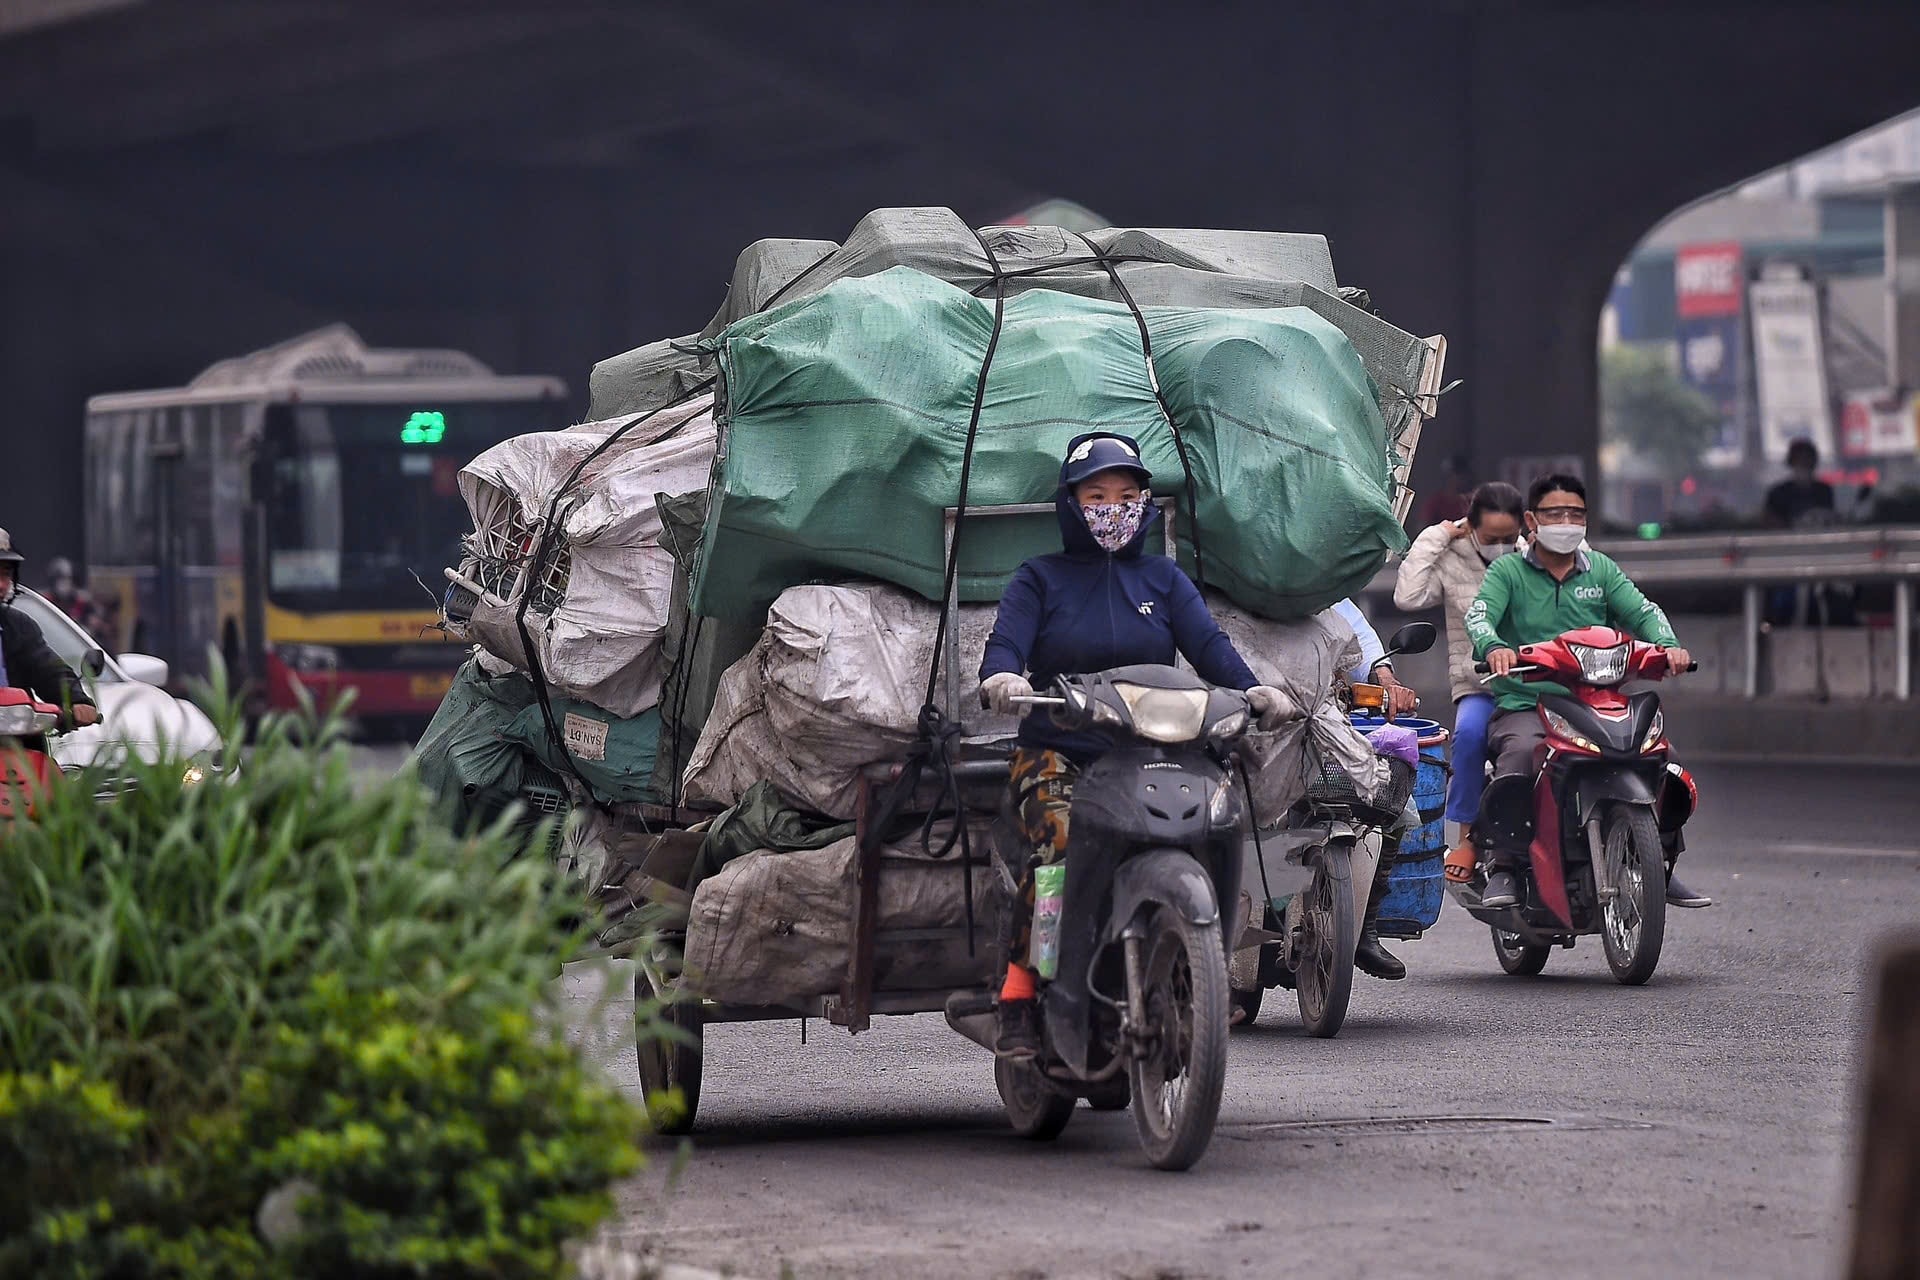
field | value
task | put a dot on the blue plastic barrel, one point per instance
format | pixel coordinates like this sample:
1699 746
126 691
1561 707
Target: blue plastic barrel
1416 885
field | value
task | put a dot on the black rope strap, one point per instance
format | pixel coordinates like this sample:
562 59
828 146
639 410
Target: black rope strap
939 737
1166 411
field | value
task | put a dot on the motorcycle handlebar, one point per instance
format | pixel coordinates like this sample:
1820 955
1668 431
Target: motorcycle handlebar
1520 668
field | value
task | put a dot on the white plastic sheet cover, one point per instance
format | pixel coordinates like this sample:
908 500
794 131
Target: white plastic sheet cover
775 927
837 679
602 640
836 682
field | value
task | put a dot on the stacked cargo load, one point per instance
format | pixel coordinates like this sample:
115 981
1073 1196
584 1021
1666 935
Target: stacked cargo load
744 560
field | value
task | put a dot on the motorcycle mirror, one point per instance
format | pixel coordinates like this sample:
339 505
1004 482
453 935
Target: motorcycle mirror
94 664
1415 637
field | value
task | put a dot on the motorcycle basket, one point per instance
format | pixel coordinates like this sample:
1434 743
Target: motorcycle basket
1334 786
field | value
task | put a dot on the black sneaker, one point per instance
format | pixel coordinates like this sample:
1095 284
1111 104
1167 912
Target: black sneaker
1503 890
1019 1039
1678 895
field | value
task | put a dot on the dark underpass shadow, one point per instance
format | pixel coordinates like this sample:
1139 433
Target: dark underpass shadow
906 1126
1662 980
1285 1025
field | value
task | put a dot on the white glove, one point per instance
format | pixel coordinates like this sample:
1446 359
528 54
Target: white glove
1271 707
999 691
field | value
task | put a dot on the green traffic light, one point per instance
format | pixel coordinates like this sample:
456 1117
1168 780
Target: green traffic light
424 427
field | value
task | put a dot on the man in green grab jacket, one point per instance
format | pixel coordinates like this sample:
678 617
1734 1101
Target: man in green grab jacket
1558 585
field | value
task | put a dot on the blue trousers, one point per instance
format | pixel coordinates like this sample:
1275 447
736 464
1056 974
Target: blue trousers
1470 718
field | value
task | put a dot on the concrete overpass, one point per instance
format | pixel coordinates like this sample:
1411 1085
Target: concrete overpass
545 184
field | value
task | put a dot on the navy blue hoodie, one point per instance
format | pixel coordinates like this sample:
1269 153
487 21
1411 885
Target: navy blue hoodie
1085 609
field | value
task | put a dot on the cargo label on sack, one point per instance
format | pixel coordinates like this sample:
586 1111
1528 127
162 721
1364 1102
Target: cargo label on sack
586 737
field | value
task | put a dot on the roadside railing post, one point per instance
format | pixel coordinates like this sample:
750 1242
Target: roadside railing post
1903 638
1750 638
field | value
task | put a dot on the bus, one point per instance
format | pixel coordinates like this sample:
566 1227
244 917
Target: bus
294 509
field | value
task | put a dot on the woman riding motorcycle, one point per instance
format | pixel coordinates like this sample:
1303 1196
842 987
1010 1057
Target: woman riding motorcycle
1446 565
1099 603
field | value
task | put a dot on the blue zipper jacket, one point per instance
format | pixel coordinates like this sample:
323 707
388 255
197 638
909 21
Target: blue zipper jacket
1085 609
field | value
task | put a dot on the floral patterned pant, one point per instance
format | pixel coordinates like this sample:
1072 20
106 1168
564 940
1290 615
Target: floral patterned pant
1042 784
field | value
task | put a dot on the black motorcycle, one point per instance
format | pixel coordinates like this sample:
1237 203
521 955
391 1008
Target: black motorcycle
1139 1005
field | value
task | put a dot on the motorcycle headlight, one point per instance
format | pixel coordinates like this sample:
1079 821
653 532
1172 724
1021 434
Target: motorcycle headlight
308 659
195 774
1165 715
1655 731
18 721
1601 666
1231 725
1564 728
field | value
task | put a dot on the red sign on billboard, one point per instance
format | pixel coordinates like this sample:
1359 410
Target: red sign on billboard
1708 280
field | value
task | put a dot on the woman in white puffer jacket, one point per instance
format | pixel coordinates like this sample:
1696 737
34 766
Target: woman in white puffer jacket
1445 566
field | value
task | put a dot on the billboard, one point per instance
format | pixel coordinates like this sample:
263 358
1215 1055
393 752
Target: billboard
1709 286
1877 424
1789 366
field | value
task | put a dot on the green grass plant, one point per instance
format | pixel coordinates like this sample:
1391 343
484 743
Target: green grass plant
285 973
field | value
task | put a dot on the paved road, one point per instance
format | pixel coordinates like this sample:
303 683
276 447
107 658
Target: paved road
1699 1126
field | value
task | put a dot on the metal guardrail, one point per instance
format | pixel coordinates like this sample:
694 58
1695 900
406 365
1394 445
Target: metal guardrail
1756 561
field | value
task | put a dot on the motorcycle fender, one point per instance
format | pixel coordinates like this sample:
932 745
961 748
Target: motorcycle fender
1161 877
1620 784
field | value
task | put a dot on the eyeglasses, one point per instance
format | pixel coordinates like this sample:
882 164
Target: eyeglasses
1561 515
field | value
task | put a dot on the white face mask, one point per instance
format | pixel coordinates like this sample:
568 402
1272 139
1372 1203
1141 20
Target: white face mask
1561 539
1491 551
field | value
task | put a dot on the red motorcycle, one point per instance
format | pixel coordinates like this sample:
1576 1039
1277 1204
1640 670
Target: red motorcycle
26 770
1601 818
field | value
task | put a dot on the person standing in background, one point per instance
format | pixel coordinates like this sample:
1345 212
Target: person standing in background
1804 501
1445 566
73 599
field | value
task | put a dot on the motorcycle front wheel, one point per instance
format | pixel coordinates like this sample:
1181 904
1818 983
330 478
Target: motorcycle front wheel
1633 918
1324 944
1177 1080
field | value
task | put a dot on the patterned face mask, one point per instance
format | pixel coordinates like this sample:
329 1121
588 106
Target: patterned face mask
1115 524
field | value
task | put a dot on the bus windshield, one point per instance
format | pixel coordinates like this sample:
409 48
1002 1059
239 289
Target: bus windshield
364 497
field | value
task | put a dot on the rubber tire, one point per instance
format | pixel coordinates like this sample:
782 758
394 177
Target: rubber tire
671 1064
1185 1139
1036 1110
1635 825
1524 960
1247 1002
1111 1095
1324 1022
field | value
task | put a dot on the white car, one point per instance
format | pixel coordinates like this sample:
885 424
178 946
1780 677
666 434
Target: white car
136 713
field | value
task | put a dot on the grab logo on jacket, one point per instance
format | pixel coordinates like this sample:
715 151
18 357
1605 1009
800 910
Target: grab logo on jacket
1589 593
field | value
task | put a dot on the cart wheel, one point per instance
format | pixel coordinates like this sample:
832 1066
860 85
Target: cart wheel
1035 1108
1110 1095
669 1049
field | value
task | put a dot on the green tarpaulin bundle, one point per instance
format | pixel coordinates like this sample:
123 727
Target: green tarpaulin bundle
489 740
845 417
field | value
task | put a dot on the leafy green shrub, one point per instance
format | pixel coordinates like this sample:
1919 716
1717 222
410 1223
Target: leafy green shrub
287 973
474 1152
